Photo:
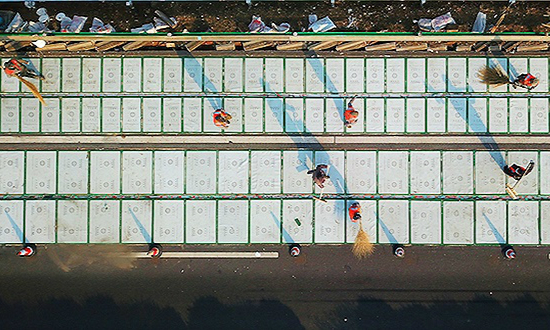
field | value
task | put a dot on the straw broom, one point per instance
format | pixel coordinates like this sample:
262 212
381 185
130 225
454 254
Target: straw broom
493 76
33 89
362 247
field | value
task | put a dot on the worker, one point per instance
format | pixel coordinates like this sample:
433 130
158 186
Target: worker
526 80
222 118
351 115
355 212
516 171
17 67
319 175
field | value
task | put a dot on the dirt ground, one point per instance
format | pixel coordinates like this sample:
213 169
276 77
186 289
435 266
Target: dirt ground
235 16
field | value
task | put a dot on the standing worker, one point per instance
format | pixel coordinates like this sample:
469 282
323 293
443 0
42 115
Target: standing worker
319 175
355 212
351 115
221 118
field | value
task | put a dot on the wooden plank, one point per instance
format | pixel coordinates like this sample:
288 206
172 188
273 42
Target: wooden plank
509 46
382 46
80 46
291 46
253 45
191 46
438 47
14 46
532 47
53 47
323 45
225 46
135 45
107 45
351 45
413 47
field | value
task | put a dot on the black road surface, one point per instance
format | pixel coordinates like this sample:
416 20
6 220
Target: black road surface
83 287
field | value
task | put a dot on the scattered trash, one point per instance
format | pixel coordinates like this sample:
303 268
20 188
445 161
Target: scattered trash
65 24
284 27
38 27
60 16
99 27
312 19
16 25
41 11
6 17
30 4
170 21
480 23
258 26
77 24
39 43
322 25
145 28
437 24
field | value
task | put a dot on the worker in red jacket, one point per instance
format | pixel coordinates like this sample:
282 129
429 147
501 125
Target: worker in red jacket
355 212
351 115
17 67
526 80
221 118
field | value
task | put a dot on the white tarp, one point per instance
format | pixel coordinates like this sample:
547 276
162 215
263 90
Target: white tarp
329 221
294 115
40 221
436 115
131 114
70 115
234 107
131 74
136 221
474 83
489 175
73 172
30 119
274 114
192 74
315 109
152 75
41 176
315 75
477 115
334 109
12 166
254 75
393 221
426 222
274 75
457 114
375 75
213 75
539 115
151 115
437 75
425 172
295 167
393 172
456 81
233 75
233 176
10 114
361 172
171 119
169 169
91 73
91 116
375 115
491 222
395 75
544 172
253 115
395 115
458 222
200 222
201 172
72 221
111 115
51 70
334 75
355 75
416 75
136 172
545 222
297 221
104 221
232 221
105 172
265 172
294 74
192 110
71 75
458 172
168 222
498 115
11 221
111 77
265 221
523 222
416 115
173 74
519 115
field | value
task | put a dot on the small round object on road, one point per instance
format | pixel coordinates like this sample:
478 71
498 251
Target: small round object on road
295 250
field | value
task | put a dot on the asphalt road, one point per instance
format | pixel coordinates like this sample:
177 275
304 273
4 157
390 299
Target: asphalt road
325 288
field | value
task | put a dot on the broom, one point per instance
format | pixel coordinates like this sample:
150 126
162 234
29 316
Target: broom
33 89
493 76
362 247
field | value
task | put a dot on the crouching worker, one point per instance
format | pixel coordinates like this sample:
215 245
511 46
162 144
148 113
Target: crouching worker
21 68
355 212
526 80
351 115
319 175
221 118
516 171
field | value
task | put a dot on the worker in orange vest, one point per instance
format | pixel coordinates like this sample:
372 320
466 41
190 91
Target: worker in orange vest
351 115
17 67
355 212
221 118
526 80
